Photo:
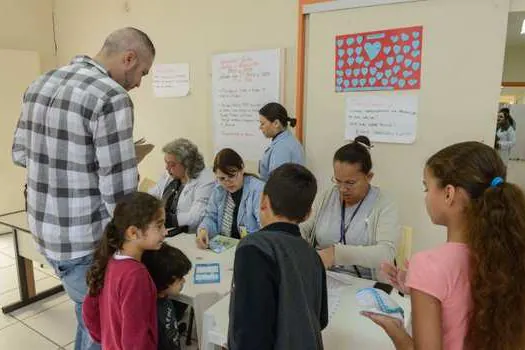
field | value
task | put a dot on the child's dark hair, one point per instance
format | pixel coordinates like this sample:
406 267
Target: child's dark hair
275 111
496 239
355 153
137 209
166 265
291 190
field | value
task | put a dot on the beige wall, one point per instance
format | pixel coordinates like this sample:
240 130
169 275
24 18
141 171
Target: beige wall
447 113
17 69
517 5
514 67
182 31
28 25
185 31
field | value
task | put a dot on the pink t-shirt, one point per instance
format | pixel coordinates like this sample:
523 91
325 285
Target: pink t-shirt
443 273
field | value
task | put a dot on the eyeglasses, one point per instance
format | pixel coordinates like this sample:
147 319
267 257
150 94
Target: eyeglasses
227 178
344 185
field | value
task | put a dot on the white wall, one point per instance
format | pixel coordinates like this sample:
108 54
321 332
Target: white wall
447 113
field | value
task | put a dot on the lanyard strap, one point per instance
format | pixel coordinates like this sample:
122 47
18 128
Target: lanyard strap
342 237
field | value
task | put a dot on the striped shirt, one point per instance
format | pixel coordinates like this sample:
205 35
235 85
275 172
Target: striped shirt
75 139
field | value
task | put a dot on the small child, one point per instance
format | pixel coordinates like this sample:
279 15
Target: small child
119 310
167 267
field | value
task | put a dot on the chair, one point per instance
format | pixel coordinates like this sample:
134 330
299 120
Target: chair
146 184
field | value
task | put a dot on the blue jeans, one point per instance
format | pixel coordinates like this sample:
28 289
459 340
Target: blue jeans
72 273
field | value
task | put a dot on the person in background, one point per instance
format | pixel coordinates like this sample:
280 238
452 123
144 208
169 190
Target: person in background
354 225
233 209
279 297
168 267
468 292
75 139
505 135
185 187
506 112
120 309
284 147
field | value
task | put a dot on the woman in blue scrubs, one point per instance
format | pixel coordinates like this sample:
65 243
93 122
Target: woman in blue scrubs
284 147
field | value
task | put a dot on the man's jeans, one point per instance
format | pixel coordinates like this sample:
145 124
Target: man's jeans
72 273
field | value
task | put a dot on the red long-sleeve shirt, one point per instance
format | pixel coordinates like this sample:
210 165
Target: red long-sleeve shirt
124 315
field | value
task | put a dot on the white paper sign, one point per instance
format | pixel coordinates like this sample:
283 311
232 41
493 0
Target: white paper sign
241 84
388 117
171 80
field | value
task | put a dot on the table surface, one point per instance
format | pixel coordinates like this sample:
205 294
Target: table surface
16 220
347 329
186 243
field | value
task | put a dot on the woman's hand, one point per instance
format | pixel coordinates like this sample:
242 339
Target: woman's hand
396 276
327 256
202 239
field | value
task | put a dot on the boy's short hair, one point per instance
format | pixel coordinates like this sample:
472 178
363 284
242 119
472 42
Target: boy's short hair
166 265
291 190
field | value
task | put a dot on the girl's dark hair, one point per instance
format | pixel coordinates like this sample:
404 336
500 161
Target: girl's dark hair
137 209
228 161
496 240
166 265
355 153
275 111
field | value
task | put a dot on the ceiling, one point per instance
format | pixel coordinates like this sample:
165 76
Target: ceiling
514 38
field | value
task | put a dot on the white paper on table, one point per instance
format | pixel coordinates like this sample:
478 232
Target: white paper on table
171 80
389 117
334 288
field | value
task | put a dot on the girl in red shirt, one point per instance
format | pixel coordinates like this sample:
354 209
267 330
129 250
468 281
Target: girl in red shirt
120 309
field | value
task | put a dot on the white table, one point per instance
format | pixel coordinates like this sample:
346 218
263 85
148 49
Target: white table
347 329
25 253
202 296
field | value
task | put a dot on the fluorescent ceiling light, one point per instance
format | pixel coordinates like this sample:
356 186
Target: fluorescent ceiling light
523 27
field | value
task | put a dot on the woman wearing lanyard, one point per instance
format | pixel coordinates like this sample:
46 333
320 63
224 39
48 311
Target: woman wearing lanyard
185 187
284 147
354 225
233 209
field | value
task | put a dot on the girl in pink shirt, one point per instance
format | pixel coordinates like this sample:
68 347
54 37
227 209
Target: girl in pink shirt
120 310
468 293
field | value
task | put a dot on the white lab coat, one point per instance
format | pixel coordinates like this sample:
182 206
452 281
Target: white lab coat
193 198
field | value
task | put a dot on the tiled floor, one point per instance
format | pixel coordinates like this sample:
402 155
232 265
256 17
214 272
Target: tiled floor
49 324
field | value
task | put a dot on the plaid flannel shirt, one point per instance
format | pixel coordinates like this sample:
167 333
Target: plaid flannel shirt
75 138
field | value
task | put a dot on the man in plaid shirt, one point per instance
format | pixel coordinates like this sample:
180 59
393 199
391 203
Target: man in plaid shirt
75 138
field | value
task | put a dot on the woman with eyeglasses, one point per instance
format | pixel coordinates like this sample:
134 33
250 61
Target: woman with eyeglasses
185 187
233 208
354 225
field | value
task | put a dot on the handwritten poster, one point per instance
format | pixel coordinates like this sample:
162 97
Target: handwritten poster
171 80
382 60
241 84
388 117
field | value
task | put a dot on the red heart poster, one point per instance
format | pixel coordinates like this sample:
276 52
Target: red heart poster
381 60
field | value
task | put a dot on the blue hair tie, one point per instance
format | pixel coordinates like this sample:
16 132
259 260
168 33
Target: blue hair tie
498 180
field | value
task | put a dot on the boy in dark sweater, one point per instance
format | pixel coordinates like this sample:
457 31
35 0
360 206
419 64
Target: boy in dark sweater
279 298
167 267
